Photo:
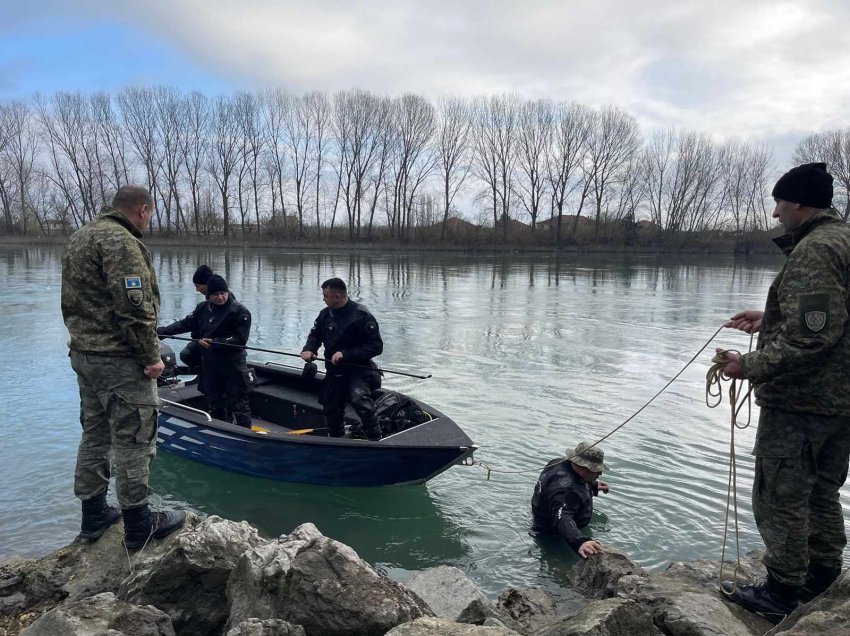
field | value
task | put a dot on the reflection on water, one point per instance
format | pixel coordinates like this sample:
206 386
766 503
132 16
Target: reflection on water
414 533
530 355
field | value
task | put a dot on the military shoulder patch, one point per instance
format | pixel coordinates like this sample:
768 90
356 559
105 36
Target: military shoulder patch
814 313
135 296
133 282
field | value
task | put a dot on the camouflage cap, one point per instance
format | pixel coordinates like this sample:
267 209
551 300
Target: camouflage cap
590 458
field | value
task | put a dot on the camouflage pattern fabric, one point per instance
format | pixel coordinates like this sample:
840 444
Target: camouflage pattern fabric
110 297
801 463
801 374
802 363
119 418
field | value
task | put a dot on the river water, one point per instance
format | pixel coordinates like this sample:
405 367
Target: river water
530 355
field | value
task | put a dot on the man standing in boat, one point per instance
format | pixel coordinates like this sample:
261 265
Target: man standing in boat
222 326
801 375
110 302
191 353
351 338
562 503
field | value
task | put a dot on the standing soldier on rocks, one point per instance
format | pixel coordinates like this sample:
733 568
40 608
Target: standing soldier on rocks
110 302
801 375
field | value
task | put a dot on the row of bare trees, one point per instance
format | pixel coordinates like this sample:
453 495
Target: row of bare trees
313 165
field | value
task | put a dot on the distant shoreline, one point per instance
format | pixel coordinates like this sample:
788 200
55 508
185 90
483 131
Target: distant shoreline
721 249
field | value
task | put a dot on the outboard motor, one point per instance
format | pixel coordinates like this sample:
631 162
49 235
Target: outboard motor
169 374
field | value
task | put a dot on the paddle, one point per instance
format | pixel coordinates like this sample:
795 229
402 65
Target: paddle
297 355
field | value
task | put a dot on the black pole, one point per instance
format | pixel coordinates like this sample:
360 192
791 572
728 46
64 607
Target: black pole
297 355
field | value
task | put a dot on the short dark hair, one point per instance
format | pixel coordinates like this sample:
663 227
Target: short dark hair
129 196
335 284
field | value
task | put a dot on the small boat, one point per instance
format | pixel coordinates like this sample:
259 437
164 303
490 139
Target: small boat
287 440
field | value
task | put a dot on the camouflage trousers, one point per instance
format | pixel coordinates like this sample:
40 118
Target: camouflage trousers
801 463
119 420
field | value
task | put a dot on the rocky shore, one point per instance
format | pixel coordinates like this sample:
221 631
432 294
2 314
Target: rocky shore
221 577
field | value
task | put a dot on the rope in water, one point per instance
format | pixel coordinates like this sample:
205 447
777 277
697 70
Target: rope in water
713 398
490 469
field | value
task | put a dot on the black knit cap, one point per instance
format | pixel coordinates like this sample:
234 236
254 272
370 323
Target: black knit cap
216 284
809 185
202 275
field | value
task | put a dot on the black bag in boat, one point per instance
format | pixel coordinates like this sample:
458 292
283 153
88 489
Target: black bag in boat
396 412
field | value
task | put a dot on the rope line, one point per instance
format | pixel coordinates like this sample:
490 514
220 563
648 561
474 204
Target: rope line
490 469
713 398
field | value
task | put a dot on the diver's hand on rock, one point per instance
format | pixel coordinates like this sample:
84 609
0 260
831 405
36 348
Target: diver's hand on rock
589 548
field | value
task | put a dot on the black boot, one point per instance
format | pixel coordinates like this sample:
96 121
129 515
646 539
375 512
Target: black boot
97 517
141 525
818 579
772 600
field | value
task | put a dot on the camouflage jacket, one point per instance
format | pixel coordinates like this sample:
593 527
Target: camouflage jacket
802 363
110 297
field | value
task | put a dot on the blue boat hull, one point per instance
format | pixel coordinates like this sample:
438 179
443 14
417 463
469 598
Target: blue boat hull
410 457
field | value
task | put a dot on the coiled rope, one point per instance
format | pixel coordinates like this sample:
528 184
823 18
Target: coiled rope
714 398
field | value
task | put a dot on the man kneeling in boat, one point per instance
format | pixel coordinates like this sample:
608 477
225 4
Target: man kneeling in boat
222 326
562 503
350 334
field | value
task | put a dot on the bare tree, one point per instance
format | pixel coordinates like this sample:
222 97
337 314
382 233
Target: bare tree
225 151
299 137
414 122
138 107
19 155
536 129
833 148
65 126
196 148
454 140
275 105
496 121
570 134
613 142
171 122
320 112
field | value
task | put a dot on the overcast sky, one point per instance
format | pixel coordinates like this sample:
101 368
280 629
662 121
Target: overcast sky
769 71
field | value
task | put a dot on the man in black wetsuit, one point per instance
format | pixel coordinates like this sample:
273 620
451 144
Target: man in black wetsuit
563 497
218 322
351 337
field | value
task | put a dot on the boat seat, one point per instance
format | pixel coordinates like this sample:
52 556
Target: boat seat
307 400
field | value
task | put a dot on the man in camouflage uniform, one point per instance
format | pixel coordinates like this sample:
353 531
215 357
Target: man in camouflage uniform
110 303
801 375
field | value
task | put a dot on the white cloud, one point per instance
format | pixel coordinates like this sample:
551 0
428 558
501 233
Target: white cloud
750 69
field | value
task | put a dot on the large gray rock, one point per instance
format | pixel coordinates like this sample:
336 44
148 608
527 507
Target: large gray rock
266 627
608 617
257 587
446 589
190 580
685 599
597 576
102 614
827 615
534 607
433 626
332 592
451 595
28 588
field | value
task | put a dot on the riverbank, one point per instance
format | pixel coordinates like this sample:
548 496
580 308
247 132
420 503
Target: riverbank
759 248
221 577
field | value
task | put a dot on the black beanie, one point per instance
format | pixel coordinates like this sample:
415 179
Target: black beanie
809 185
216 284
202 275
